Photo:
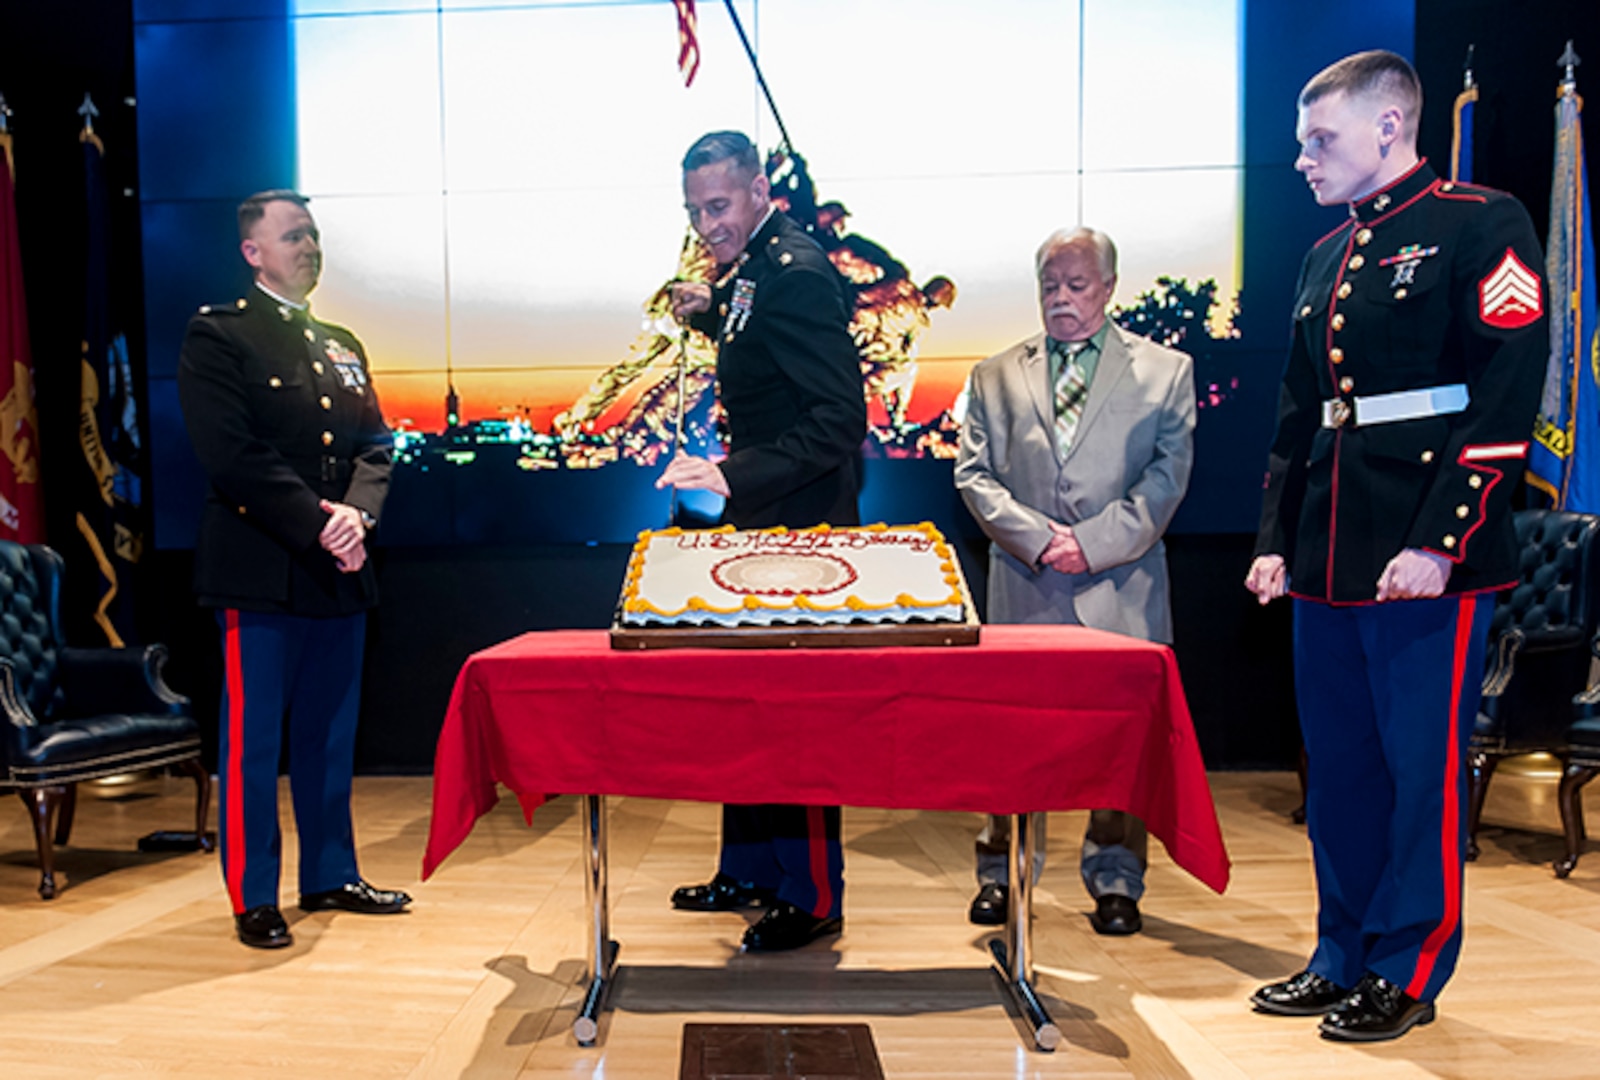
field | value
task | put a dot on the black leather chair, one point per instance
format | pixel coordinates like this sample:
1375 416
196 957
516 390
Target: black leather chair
71 715
1539 659
1582 764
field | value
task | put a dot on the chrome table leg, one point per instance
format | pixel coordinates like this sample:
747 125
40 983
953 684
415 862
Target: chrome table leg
1014 952
602 951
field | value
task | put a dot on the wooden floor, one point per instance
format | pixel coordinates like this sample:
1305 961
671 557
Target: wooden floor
134 970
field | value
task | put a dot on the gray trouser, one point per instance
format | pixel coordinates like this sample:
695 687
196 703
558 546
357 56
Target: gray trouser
1115 853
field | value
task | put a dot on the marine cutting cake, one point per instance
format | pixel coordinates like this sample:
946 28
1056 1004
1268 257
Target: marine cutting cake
823 576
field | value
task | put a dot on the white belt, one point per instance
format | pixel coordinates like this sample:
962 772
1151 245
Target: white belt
1391 408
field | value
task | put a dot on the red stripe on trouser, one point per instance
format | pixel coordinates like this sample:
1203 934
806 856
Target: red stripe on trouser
1450 839
817 837
233 849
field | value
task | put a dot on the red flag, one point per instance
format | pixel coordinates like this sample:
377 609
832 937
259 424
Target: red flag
688 40
21 516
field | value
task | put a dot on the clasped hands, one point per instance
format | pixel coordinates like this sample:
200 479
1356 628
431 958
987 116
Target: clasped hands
1411 575
1063 552
344 536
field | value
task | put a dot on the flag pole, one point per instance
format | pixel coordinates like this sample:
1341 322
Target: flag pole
761 80
1461 142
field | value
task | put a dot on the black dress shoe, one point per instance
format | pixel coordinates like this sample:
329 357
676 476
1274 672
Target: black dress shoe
990 905
1376 1011
721 893
1116 916
356 896
787 927
263 928
1305 994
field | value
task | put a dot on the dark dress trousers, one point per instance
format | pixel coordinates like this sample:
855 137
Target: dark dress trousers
789 378
282 414
1413 379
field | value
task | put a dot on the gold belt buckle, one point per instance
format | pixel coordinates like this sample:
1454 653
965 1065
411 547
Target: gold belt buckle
1339 412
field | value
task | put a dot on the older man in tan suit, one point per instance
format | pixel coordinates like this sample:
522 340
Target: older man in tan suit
1075 453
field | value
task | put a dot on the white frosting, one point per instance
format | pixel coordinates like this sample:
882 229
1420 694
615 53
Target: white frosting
804 576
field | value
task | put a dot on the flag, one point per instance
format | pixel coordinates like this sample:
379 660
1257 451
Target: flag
1563 458
1461 138
688 40
21 512
110 493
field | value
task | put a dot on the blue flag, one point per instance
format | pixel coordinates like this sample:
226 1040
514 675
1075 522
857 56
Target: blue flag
1461 139
109 497
1564 460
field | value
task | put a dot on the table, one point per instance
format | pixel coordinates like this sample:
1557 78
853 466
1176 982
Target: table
1032 719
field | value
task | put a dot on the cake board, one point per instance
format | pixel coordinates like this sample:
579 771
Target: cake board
797 637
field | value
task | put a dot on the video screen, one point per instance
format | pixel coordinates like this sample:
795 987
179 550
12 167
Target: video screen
498 189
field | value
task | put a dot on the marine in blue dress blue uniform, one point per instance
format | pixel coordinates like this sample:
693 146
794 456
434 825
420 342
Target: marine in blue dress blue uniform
1413 378
285 422
789 379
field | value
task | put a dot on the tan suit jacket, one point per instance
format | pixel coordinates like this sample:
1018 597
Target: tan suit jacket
1118 487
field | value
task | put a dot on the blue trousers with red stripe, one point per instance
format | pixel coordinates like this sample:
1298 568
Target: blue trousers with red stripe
1387 695
792 850
310 669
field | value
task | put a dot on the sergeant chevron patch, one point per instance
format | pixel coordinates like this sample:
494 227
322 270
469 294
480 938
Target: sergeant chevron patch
1509 298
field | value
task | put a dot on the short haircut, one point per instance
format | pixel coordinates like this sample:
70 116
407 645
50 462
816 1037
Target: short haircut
723 146
1103 247
254 208
1378 73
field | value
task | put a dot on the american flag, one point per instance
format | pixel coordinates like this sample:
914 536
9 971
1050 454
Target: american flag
688 40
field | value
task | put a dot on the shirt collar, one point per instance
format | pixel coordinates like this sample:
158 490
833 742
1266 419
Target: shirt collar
751 245
1095 341
302 306
1396 193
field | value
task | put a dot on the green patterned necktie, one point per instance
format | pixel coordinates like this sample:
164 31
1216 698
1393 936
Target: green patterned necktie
1071 390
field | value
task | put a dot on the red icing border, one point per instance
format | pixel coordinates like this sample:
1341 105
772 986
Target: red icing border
717 577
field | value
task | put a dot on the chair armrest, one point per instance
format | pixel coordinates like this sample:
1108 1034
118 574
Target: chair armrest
1591 694
12 707
1505 659
101 681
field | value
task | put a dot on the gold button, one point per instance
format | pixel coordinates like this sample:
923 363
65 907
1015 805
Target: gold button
205 309
316 365
722 310
241 303
1475 481
1338 322
774 240
326 401
274 382
1449 185
1427 456
785 258
1336 354
1462 511
1449 541
309 335
1303 311
241 510
1346 384
1401 294
1344 291
1364 237
1357 261
728 338
327 438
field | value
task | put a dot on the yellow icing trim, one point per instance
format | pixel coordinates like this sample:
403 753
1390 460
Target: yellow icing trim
633 604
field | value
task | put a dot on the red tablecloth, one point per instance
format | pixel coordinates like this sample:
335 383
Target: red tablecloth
1034 718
